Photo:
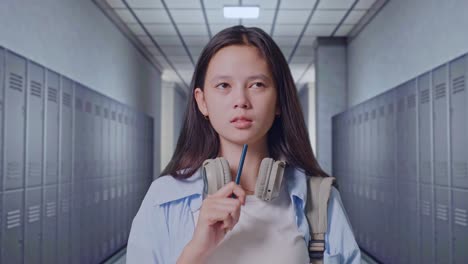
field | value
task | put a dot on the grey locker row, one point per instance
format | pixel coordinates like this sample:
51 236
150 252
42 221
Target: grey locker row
74 164
401 159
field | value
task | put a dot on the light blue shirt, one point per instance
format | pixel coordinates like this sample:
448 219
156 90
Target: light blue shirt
164 223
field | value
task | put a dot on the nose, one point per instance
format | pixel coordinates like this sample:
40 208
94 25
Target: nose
241 99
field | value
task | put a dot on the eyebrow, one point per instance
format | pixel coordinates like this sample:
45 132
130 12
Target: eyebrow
253 77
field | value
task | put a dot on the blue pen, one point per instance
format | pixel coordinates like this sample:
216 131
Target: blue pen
241 164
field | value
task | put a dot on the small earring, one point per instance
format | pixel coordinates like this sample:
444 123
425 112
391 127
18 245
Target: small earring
206 117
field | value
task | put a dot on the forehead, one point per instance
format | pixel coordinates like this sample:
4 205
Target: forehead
238 61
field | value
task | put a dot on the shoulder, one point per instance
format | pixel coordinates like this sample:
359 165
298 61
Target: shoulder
340 234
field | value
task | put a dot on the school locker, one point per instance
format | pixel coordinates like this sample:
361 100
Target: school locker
33 227
49 224
2 82
411 132
35 120
52 127
442 228
440 126
12 226
426 211
66 126
425 127
64 223
14 123
460 225
459 122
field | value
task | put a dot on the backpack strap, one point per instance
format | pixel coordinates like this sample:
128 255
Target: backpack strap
318 192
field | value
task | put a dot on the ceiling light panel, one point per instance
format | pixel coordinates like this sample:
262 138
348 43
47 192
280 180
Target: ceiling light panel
219 4
145 3
241 12
183 4
335 4
365 4
354 16
116 3
320 30
188 16
292 16
152 16
327 16
288 30
126 16
297 4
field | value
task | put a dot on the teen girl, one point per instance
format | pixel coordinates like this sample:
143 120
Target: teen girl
243 93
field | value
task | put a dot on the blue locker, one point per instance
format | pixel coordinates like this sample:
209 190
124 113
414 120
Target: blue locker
33 233
442 229
425 117
14 129
52 127
12 226
427 223
88 139
49 225
411 132
459 122
2 83
66 126
460 225
97 123
64 224
35 95
439 87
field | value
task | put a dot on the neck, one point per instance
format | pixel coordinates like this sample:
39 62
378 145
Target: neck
255 154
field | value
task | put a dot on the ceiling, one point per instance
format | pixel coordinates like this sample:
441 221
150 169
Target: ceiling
172 33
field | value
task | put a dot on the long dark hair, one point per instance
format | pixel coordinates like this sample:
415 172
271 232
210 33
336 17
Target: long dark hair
287 138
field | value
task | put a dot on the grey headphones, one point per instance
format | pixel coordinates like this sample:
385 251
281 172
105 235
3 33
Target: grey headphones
216 174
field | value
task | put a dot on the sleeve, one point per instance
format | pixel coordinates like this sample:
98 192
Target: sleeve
145 243
340 242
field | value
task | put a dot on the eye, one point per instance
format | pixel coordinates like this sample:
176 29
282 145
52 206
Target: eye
258 85
222 86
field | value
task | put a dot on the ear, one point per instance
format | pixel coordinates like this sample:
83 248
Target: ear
201 103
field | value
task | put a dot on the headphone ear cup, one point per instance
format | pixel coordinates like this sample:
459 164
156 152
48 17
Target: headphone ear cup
215 174
263 177
225 176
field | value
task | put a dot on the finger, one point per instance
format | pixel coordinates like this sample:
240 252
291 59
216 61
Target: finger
229 189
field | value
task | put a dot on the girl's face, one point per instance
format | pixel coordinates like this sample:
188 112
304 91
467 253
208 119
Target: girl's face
239 95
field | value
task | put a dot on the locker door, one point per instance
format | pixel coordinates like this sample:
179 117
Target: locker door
425 144
427 229
88 140
2 83
411 123
64 224
35 124
458 124
439 87
32 250
52 128
66 126
460 225
14 121
442 235
49 226
105 205
12 225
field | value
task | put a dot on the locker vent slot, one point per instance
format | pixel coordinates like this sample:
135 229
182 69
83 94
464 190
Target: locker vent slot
52 94
34 169
13 219
458 84
36 89
66 99
460 169
16 82
13 170
88 107
411 101
460 217
79 104
424 96
65 205
34 213
442 212
439 91
51 209
382 111
97 110
426 208
401 105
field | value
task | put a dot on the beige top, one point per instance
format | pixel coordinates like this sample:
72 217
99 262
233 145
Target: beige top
266 233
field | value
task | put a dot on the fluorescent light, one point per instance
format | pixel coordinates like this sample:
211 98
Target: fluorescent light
241 11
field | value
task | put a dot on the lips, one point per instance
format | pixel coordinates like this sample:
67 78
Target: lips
241 122
240 118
